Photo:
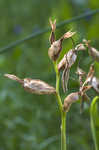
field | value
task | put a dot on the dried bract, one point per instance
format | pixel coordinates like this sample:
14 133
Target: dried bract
68 34
53 27
71 98
13 77
33 86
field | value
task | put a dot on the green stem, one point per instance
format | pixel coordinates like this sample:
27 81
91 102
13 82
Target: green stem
63 131
63 114
94 122
57 88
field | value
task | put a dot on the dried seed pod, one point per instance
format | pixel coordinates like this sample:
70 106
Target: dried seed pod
89 76
13 77
65 64
92 51
33 86
56 46
68 34
71 98
68 60
55 50
81 74
80 47
53 27
95 84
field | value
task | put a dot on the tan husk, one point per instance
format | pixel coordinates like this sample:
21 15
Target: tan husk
56 46
71 98
33 86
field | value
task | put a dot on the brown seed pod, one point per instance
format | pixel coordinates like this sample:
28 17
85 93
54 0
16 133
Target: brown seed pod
71 98
33 86
53 27
56 46
80 47
95 84
68 60
13 77
38 87
55 50
92 51
65 64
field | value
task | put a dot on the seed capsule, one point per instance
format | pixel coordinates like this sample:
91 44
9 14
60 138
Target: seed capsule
92 51
68 59
53 27
56 46
33 86
71 98
80 47
95 83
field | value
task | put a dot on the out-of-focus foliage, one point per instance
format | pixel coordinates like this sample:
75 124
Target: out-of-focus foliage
29 121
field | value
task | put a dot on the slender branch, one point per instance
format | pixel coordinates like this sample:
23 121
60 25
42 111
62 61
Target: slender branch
40 32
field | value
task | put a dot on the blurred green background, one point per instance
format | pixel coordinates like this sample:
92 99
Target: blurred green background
32 122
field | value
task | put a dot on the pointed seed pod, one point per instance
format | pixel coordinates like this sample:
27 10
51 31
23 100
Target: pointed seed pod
33 86
56 46
71 98
53 27
13 77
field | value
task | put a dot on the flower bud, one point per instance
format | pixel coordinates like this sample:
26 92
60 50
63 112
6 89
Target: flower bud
33 86
71 98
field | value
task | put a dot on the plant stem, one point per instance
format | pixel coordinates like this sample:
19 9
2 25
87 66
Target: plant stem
94 122
63 131
63 114
57 88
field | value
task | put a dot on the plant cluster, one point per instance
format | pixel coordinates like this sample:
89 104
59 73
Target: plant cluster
86 80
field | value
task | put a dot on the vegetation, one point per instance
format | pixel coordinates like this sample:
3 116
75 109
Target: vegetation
33 122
